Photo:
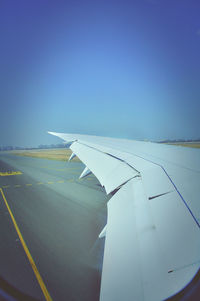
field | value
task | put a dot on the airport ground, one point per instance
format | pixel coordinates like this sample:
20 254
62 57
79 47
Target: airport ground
59 218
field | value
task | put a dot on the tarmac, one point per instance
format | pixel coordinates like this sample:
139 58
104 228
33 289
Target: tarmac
50 222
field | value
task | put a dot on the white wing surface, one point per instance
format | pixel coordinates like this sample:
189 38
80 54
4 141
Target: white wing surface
152 246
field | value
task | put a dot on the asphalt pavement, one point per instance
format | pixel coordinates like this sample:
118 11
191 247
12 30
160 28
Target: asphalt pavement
59 218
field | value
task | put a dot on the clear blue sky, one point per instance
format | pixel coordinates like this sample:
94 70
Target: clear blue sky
115 68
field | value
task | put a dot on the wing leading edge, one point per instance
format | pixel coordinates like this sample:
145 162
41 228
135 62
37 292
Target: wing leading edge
152 245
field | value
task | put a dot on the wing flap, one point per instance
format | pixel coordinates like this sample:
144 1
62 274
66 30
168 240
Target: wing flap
110 171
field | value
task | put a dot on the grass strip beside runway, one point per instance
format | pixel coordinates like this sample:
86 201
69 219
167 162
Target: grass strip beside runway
52 154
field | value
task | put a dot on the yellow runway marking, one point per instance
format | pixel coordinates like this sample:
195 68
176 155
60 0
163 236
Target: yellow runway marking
75 172
28 254
11 173
70 180
40 183
59 169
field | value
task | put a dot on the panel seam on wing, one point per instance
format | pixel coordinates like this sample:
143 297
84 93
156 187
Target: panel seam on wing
116 173
106 153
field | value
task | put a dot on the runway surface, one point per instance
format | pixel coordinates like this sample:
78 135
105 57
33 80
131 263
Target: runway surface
59 218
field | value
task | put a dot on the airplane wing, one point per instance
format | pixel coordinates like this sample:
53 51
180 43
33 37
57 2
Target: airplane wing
152 244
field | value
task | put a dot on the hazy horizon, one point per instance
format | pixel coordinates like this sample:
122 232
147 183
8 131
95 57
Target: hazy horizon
61 144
